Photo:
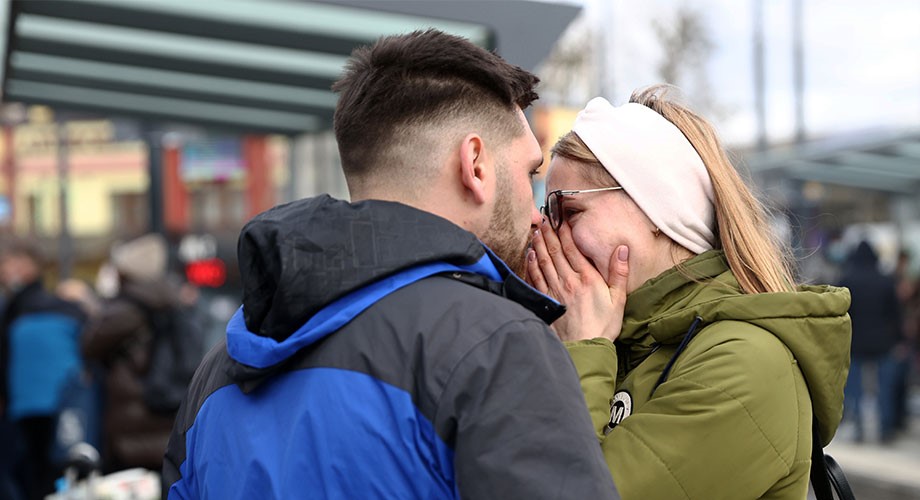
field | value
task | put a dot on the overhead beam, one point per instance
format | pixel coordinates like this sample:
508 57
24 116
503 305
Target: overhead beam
185 47
117 55
162 108
910 149
119 77
881 164
142 91
329 28
905 144
828 173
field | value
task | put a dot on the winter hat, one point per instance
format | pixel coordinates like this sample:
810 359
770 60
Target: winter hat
141 259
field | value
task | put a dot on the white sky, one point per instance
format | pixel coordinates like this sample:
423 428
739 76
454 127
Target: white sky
862 61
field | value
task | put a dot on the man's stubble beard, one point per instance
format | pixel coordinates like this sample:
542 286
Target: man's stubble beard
500 235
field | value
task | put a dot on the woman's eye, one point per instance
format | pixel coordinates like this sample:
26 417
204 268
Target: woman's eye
568 213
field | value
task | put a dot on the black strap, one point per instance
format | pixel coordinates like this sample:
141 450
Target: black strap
683 345
838 479
827 477
819 480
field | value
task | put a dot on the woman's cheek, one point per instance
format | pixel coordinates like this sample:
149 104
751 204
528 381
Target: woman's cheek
592 248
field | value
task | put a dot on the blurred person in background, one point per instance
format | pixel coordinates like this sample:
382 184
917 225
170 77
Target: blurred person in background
9 486
40 336
383 350
121 337
877 323
703 365
909 299
79 419
80 293
823 265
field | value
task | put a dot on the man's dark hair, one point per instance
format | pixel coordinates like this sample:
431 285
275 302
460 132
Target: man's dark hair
419 80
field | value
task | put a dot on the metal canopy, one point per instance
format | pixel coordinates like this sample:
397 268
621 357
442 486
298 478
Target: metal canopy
240 64
882 161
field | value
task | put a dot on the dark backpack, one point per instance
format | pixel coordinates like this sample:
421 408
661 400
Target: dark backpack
177 348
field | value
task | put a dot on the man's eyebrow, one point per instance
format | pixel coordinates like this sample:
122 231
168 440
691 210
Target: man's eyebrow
537 163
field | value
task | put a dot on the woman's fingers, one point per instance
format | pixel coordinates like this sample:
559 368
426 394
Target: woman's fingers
619 273
573 255
563 269
544 263
617 282
534 273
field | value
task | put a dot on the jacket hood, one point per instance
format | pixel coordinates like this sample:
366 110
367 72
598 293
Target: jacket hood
310 266
298 257
812 322
863 256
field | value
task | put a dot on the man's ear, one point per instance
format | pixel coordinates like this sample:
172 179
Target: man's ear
472 166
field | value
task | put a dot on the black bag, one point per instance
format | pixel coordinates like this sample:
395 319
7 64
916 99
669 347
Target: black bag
827 478
178 347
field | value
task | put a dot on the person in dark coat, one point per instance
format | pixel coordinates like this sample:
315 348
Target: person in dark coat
39 353
9 486
876 317
120 337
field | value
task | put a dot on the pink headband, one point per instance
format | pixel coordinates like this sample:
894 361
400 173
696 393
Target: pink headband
656 165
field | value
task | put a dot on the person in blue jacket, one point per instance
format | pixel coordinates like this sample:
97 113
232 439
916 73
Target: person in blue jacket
386 347
39 353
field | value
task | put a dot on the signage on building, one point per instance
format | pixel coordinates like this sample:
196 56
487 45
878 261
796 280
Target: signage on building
213 160
38 139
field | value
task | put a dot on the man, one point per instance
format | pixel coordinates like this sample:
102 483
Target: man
382 350
39 351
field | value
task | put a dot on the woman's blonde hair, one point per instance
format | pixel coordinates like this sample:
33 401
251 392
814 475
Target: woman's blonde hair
759 261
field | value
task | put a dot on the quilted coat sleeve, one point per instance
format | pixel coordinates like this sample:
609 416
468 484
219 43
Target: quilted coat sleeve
596 362
726 423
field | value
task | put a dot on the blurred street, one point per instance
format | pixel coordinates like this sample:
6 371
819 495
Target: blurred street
881 472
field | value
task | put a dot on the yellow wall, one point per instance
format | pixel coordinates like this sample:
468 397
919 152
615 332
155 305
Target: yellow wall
90 201
94 177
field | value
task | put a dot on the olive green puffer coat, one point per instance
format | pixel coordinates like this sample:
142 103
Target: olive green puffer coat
733 419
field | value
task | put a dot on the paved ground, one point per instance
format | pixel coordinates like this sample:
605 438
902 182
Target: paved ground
881 472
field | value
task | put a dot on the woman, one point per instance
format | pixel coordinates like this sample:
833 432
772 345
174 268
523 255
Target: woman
120 337
691 340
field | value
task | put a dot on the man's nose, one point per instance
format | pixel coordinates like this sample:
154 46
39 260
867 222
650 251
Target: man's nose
536 218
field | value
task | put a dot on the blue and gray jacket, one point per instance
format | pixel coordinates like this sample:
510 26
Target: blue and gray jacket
39 351
382 352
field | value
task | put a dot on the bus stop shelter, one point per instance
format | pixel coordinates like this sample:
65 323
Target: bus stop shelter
252 65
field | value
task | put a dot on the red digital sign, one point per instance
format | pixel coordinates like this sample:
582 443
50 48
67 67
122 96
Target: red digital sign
207 273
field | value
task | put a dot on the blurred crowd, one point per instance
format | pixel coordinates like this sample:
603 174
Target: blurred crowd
94 364
885 311
91 365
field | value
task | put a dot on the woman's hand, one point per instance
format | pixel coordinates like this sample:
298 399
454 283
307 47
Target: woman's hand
594 305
